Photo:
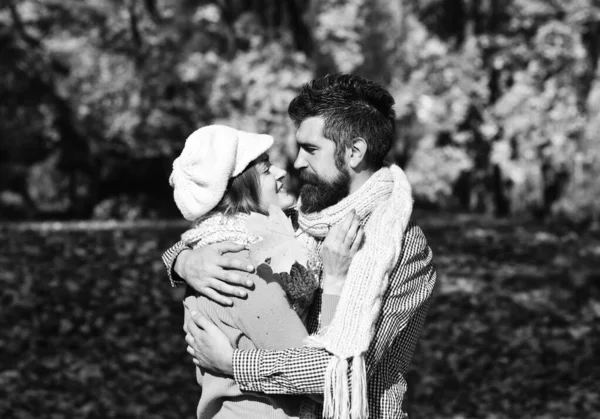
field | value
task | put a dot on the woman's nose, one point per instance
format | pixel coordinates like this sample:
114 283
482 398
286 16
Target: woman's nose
279 172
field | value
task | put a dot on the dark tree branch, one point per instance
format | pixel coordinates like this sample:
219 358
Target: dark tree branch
55 64
300 27
133 23
20 27
153 11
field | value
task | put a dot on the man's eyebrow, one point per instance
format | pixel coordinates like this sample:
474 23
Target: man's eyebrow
305 143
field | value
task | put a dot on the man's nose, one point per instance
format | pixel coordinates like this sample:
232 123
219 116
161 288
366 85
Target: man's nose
300 163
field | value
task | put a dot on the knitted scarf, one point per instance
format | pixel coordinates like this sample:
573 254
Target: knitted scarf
384 205
219 228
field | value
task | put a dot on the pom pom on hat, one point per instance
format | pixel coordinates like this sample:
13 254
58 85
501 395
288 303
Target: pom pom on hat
211 156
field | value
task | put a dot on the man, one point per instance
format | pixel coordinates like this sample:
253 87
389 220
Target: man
345 128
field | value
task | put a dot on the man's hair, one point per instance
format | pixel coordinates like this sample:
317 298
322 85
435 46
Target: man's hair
242 194
352 106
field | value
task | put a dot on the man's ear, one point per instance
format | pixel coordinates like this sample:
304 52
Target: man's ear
357 152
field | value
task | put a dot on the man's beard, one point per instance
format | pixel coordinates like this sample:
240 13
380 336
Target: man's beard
317 194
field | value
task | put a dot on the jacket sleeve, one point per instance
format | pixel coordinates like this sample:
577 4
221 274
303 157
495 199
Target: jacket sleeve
407 300
302 370
169 257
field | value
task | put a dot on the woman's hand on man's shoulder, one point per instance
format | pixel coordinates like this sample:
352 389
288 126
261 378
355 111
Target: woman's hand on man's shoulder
339 247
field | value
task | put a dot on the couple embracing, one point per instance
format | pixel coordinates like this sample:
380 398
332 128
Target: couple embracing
336 290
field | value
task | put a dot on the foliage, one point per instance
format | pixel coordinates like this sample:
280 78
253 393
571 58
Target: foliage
495 99
507 83
242 95
91 327
511 328
135 79
337 33
579 204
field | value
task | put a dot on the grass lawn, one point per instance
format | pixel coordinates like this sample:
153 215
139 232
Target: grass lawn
92 329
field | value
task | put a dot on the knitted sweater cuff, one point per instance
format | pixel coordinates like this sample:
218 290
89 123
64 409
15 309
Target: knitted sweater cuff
328 305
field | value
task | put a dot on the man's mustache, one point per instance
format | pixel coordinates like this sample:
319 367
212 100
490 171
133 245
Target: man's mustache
310 178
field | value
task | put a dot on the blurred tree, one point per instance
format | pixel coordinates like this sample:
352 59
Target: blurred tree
522 72
118 86
357 36
496 100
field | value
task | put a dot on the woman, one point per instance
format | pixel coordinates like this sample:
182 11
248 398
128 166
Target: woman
222 176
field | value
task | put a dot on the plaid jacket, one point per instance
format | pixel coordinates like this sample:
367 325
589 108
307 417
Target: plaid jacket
302 370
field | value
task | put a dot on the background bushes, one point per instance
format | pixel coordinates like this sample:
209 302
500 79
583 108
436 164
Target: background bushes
497 101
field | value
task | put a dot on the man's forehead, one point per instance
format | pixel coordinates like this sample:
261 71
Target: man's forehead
310 130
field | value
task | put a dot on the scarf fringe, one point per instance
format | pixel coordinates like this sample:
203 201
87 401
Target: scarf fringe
338 402
360 404
329 385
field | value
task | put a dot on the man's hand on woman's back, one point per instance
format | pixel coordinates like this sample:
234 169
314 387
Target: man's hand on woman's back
212 274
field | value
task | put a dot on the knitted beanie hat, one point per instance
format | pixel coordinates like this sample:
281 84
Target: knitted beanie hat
211 156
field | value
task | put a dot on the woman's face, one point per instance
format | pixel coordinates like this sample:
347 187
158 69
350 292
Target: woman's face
272 190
